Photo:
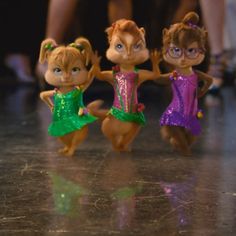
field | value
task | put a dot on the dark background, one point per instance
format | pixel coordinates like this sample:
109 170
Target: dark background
23 24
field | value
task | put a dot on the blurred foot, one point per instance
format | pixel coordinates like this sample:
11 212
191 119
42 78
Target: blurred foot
20 65
216 70
213 100
230 70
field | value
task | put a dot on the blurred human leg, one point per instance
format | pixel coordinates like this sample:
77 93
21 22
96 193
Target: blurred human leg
214 15
118 9
184 7
60 16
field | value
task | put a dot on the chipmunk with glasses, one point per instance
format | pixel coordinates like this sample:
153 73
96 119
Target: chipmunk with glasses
183 48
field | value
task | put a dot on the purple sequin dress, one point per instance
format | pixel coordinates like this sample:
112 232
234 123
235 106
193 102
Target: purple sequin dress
183 108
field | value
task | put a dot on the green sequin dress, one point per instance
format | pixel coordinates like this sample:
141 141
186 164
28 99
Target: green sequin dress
65 117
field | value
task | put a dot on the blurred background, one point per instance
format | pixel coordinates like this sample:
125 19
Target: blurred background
24 24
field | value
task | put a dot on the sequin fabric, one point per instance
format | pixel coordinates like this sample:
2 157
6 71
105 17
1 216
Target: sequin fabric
65 117
182 111
125 104
125 91
137 117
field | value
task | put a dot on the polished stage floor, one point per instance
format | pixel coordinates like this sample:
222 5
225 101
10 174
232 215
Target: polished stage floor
150 191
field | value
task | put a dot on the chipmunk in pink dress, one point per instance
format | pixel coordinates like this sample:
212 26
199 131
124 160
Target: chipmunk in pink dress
127 49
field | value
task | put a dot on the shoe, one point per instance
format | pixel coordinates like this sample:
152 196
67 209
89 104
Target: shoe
20 65
213 100
216 70
230 69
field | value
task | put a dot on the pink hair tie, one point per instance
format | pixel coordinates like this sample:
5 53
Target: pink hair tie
192 25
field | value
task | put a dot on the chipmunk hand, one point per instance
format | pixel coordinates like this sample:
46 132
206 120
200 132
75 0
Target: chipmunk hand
155 57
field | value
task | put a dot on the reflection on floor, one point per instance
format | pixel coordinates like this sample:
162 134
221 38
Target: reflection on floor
150 191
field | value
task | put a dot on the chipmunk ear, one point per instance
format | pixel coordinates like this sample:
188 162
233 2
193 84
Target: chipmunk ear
191 17
109 31
164 31
47 46
142 30
85 48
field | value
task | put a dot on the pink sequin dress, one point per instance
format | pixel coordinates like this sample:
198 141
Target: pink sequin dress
125 104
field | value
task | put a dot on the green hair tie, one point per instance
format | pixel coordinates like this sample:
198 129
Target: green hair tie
49 47
77 46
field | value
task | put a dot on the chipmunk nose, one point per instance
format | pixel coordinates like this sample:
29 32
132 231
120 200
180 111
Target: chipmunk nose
127 55
65 77
182 58
129 51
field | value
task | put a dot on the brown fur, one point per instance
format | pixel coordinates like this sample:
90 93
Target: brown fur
65 54
121 134
73 140
179 138
66 58
125 26
129 36
182 35
96 110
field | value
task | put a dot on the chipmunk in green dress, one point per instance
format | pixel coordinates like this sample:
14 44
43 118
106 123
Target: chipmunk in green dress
67 72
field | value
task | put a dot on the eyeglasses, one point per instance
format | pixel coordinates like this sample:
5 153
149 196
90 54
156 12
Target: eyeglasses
190 53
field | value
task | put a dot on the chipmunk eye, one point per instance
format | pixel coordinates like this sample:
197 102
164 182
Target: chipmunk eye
75 70
57 71
137 47
175 52
119 47
192 53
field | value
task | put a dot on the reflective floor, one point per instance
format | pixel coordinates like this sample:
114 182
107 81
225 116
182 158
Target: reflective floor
150 191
